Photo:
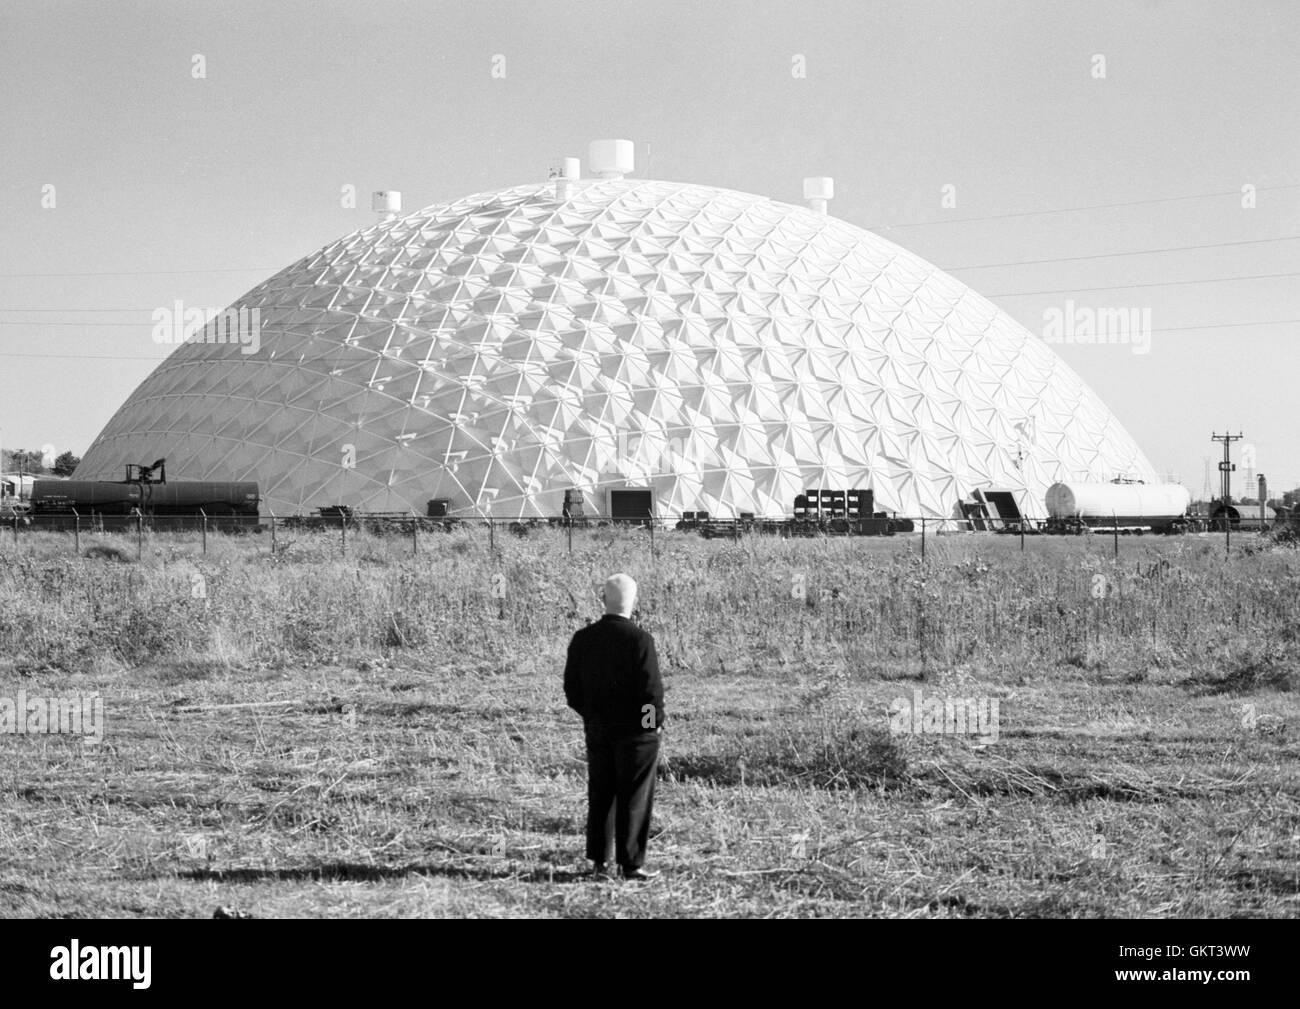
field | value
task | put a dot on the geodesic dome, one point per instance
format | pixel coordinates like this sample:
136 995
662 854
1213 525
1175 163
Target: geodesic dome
724 350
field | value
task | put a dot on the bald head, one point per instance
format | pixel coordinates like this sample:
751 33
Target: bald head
619 595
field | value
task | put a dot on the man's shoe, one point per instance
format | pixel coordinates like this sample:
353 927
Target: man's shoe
600 871
641 875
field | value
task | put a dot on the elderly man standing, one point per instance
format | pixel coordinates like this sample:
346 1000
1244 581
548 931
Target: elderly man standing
612 680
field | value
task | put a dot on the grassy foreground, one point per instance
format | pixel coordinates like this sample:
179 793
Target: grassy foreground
384 734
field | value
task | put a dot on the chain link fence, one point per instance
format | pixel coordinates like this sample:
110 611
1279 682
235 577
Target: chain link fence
130 533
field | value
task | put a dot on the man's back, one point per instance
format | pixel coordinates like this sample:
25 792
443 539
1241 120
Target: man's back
612 675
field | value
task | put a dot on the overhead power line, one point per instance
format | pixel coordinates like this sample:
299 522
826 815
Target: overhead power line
949 269
1116 255
1128 287
141 357
98 323
1224 325
264 270
1073 210
85 357
76 322
149 273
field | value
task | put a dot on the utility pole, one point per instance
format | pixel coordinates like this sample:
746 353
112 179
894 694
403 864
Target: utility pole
1226 467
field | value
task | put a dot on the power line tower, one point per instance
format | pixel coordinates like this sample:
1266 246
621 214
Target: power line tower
1207 488
1226 467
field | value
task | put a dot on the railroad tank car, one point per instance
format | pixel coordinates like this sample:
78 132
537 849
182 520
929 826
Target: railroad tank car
1159 506
1242 516
54 502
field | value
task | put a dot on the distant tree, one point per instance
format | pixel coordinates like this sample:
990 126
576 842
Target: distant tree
20 460
1291 498
65 464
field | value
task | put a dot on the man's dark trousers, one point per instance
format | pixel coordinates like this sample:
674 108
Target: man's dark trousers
620 792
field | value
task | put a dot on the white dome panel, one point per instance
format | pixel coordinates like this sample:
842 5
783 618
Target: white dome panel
722 348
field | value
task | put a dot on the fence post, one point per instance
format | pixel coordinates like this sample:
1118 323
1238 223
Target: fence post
923 539
1022 534
343 527
568 524
76 532
652 537
139 534
415 534
272 533
1115 522
205 531
492 534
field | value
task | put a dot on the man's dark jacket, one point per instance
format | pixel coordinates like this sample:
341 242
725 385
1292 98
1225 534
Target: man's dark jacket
612 675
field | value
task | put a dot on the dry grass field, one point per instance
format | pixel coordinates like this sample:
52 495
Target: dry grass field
384 734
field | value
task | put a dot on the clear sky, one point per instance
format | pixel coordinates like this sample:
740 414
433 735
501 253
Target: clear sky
170 186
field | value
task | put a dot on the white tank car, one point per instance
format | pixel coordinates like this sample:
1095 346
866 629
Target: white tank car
1148 505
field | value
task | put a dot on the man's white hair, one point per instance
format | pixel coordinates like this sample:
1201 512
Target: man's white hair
619 594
